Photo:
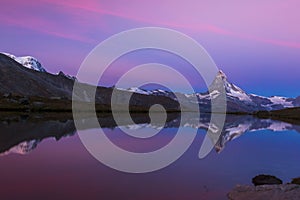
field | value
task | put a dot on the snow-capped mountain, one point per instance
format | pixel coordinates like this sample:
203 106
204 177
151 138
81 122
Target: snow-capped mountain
34 64
255 102
156 92
66 76
232 90
137 90
62 85
237 99
28 62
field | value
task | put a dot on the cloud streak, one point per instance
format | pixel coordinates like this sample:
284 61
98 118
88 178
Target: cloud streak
78 18
34 21
160 20
33 25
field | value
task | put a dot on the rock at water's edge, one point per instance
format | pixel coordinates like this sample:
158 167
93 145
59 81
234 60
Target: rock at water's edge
296 181
263 192
266 180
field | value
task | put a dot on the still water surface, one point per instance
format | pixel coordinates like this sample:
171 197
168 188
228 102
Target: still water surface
43 158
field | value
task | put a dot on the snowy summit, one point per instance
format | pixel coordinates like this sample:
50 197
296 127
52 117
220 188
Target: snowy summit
28 62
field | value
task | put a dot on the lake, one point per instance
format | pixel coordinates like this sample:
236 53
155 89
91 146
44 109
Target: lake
42 157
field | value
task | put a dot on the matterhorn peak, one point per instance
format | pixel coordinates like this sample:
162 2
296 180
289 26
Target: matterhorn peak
219 82
221 74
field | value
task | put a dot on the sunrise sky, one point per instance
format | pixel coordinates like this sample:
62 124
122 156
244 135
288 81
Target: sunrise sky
256 43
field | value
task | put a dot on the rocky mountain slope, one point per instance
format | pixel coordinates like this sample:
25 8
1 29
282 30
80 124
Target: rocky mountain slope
237 99
18 82
25 76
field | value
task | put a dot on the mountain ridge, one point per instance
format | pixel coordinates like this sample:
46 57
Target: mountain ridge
20 78
237 99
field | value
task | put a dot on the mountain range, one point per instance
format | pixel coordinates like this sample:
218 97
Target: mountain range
237 99
26 77
30 88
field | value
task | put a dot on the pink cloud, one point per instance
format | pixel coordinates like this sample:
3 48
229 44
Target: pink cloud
244 21
33 24
97 8
251 21
22 16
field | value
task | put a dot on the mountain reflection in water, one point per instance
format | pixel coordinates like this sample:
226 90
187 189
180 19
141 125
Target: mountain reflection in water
22 133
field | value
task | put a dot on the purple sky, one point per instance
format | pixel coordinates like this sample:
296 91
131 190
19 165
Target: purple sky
256 43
